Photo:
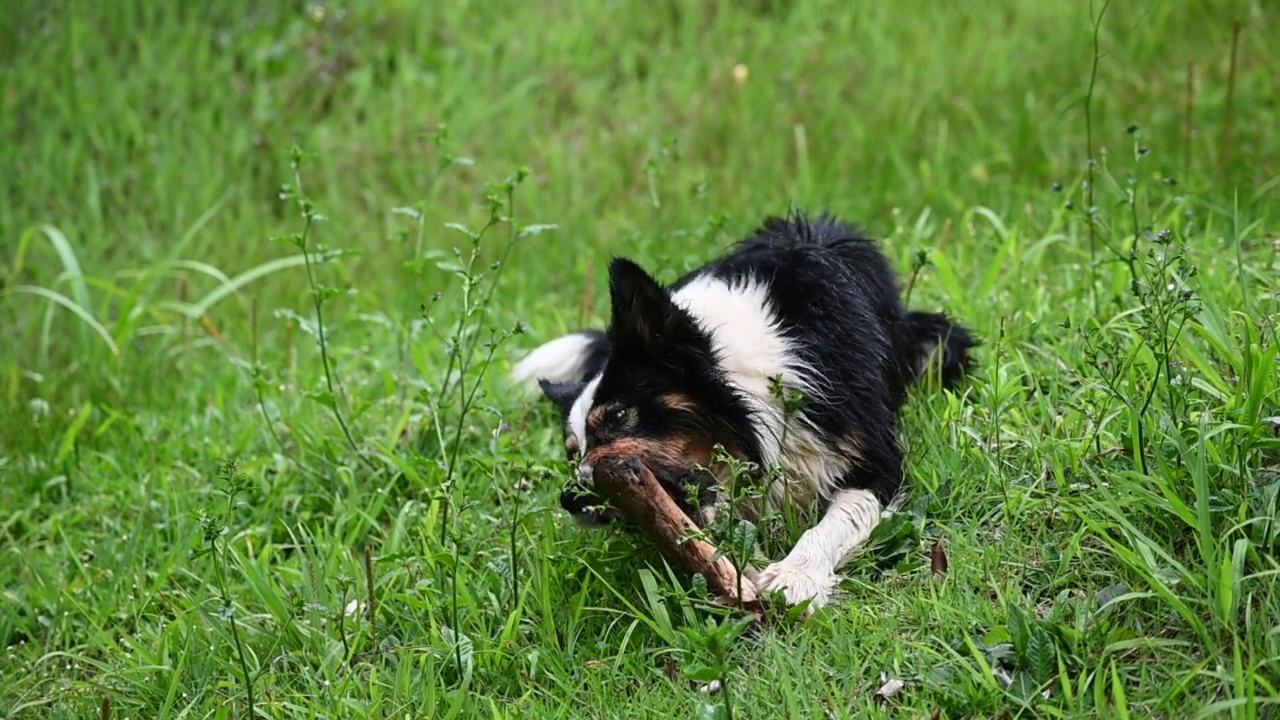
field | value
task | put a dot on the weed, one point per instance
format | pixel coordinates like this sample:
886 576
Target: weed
1107 494
214 546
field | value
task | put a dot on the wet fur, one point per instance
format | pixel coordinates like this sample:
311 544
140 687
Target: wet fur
807 304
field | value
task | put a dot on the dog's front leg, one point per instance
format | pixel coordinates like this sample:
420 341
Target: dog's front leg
808 572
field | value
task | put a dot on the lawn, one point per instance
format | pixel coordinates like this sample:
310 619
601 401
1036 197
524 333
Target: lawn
264 267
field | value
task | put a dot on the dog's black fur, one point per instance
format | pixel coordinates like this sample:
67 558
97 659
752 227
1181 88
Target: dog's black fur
833 295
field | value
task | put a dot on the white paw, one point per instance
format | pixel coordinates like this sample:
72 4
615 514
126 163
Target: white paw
798 584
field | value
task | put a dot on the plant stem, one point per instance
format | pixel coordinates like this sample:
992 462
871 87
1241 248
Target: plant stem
1088 134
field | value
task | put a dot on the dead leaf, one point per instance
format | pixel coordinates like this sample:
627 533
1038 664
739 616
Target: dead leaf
671 668
207 325
593 664
938 563
1003 676
889 687
935 715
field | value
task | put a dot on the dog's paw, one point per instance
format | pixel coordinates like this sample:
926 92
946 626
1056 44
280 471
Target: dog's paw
798 584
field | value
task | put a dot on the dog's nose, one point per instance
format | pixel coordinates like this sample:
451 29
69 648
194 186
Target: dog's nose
585 474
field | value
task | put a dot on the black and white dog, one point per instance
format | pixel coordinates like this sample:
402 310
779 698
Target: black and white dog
804 305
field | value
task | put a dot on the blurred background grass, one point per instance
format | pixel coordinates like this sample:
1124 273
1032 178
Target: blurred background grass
126 121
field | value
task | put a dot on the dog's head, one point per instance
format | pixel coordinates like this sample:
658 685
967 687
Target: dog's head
661 398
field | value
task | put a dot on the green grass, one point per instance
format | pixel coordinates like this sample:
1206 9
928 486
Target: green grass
200 511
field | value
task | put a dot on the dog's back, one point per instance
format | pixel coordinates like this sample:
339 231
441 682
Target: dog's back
836 295
857 350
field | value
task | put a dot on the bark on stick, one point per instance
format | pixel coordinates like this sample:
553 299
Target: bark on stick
633 489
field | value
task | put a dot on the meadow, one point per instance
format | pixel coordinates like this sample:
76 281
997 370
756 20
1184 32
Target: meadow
264 268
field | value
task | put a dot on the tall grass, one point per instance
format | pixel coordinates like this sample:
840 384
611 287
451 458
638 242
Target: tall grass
1103 494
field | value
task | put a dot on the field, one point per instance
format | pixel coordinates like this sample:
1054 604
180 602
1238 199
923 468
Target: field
264 268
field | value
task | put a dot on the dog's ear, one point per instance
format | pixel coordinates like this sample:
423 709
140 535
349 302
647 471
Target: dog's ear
643 313
562 394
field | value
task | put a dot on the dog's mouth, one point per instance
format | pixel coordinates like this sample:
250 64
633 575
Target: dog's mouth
586 507
690 488
583 503
602 517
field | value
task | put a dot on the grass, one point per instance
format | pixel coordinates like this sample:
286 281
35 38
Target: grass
286 478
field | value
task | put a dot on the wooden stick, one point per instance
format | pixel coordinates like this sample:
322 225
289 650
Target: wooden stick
633 489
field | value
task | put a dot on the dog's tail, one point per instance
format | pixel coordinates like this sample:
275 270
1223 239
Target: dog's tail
566 361
931 345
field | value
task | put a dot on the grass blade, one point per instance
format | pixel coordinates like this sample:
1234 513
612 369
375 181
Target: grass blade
76 309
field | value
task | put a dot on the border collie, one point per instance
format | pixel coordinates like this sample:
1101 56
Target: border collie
804 307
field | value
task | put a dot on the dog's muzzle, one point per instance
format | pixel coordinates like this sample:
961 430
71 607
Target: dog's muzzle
580 500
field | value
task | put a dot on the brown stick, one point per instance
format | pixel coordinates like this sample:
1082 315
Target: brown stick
633 489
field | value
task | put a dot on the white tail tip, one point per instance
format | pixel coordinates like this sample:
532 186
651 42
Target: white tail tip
561 360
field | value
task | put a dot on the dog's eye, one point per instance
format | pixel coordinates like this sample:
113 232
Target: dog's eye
618 415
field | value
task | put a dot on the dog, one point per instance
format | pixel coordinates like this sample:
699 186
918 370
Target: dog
805 307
